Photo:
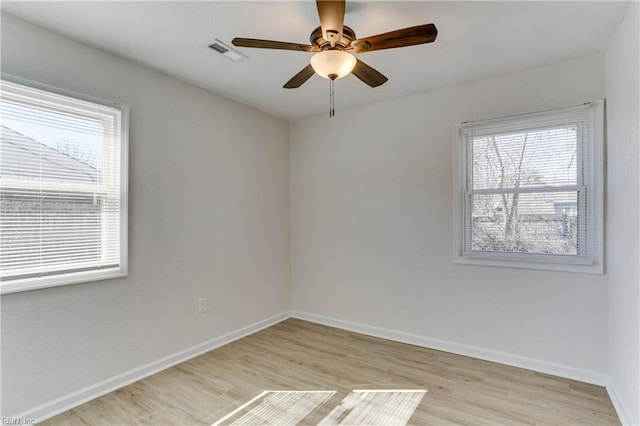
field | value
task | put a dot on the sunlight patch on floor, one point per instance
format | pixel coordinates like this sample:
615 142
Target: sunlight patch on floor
384 407
277 408
375 407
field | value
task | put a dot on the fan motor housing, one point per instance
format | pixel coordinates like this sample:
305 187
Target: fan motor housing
348 35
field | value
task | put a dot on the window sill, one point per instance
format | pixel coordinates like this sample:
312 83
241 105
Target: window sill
595 268
17 286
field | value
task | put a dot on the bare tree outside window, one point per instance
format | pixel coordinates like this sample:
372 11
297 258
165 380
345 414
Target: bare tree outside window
518 180
73 150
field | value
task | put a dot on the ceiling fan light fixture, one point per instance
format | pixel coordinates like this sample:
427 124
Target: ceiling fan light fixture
333 64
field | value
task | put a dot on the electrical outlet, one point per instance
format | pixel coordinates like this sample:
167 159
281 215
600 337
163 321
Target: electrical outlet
202 306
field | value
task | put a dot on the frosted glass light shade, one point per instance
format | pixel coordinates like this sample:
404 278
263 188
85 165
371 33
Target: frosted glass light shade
336 62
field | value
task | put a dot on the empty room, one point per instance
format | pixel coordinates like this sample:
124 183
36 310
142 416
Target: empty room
320 212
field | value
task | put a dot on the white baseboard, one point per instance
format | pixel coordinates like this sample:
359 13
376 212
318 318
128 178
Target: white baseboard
623 414
81 396
461 349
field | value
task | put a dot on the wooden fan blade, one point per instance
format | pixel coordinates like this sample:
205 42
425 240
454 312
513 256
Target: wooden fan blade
270 44
368 75
331 15
299 79
399 38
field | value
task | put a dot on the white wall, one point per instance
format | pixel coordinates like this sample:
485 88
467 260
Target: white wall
209 217
623 235
371 197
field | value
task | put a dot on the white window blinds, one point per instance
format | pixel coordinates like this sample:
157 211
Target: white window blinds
62 175
531 189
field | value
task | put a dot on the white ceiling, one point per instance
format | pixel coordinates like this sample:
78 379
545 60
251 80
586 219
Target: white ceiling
476 39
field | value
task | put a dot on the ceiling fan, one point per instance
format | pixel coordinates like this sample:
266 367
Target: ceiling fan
333 41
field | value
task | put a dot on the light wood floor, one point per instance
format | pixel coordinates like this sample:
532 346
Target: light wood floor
298 355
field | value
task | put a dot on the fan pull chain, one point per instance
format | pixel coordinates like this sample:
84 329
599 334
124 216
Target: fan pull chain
332 110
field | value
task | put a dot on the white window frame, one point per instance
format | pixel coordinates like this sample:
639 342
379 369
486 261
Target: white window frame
84 276
590 155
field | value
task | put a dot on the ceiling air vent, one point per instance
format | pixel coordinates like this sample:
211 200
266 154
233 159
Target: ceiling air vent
228 51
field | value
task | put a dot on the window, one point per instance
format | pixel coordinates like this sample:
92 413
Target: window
63 188
529 190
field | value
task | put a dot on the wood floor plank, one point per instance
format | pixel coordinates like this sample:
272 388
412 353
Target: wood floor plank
297 355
